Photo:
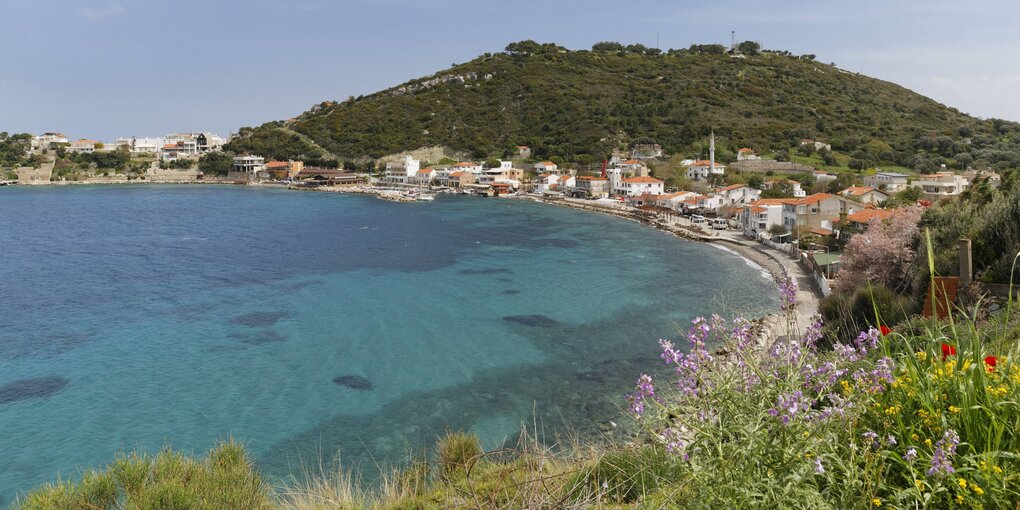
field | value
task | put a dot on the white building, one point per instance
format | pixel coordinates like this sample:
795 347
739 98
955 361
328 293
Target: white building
737 194
761 215
700 170
940 185
83 146
635 186
546 167
44 140
402 171
890 182
468 166
795 187
823 176
544 182
865 194
246 168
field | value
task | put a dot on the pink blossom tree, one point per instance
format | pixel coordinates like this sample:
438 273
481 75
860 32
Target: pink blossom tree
883 254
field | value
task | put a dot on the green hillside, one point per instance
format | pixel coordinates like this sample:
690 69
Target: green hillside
569 103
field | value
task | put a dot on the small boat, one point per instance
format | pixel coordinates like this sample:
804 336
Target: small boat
425 196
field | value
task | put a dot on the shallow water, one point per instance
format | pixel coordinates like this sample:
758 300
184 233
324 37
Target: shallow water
309 323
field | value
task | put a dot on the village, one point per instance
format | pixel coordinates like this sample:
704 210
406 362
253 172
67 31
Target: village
804 212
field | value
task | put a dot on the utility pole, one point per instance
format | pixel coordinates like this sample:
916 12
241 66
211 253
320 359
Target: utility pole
733 41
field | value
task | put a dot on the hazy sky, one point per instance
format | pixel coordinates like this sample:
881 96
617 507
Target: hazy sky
109 68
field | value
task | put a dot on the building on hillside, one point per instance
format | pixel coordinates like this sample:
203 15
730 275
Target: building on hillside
83 146
246 168
816 144
282 170
315 176
940 185
639 186
135 145
424 177
468 166
646 151
546 167
823 176
700 204
702 169
795 187
865 194
889 182
46 140
988 176
523 152
591 187
402 171
747 154
816 211
206 142
861 219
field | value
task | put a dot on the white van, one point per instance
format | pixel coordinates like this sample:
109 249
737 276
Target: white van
695 218
720 224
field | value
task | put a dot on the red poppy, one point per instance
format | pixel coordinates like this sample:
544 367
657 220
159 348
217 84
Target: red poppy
948 350
990 361
885 330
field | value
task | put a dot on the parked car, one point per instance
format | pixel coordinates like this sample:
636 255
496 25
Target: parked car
719 224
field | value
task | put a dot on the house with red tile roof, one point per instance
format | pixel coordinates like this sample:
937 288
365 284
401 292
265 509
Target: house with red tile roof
703 168
817 211
865 194
586 186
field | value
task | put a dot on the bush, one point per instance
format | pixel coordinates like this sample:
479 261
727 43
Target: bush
456 452
169 480
848 313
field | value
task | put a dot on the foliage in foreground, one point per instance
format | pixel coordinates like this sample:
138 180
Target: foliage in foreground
923 416
168 480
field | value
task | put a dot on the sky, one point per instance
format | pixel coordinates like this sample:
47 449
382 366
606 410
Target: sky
109 68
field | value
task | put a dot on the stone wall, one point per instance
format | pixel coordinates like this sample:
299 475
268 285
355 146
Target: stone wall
763 166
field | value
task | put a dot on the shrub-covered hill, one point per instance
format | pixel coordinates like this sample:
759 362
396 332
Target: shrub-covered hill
567 103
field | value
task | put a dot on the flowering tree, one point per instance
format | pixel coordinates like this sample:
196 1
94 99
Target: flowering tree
883 254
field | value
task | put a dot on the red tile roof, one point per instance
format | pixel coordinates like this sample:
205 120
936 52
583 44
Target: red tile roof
858 190
867 215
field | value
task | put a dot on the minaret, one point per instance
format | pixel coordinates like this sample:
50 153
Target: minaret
711 153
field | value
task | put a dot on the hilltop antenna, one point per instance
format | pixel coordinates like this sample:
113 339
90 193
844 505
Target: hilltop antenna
733 40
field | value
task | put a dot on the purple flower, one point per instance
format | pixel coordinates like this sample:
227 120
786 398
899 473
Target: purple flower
788 294
674 442
788 406
872 438
945 449
911 455
818 467
875 380
644 390
890 440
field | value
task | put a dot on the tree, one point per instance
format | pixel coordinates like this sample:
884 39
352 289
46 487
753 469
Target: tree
882 255
216 163
607 47
748 48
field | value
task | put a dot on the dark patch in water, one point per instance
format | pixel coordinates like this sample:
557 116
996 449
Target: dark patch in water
38 387
259 319
489 270
41 344
354 382
539 321
505 280
260 338
510 292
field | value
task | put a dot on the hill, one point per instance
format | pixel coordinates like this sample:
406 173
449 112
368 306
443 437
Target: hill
572 103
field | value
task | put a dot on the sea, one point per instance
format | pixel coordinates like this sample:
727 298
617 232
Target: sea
315 326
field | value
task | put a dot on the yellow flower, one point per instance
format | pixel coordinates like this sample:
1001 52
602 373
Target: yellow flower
954 409
997 470
919 484
892 410
846 387
959 499
966 364
962 482
977 490
876 502
914 436
921 355
927 442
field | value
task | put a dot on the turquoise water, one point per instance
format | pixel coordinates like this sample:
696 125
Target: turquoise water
310 323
